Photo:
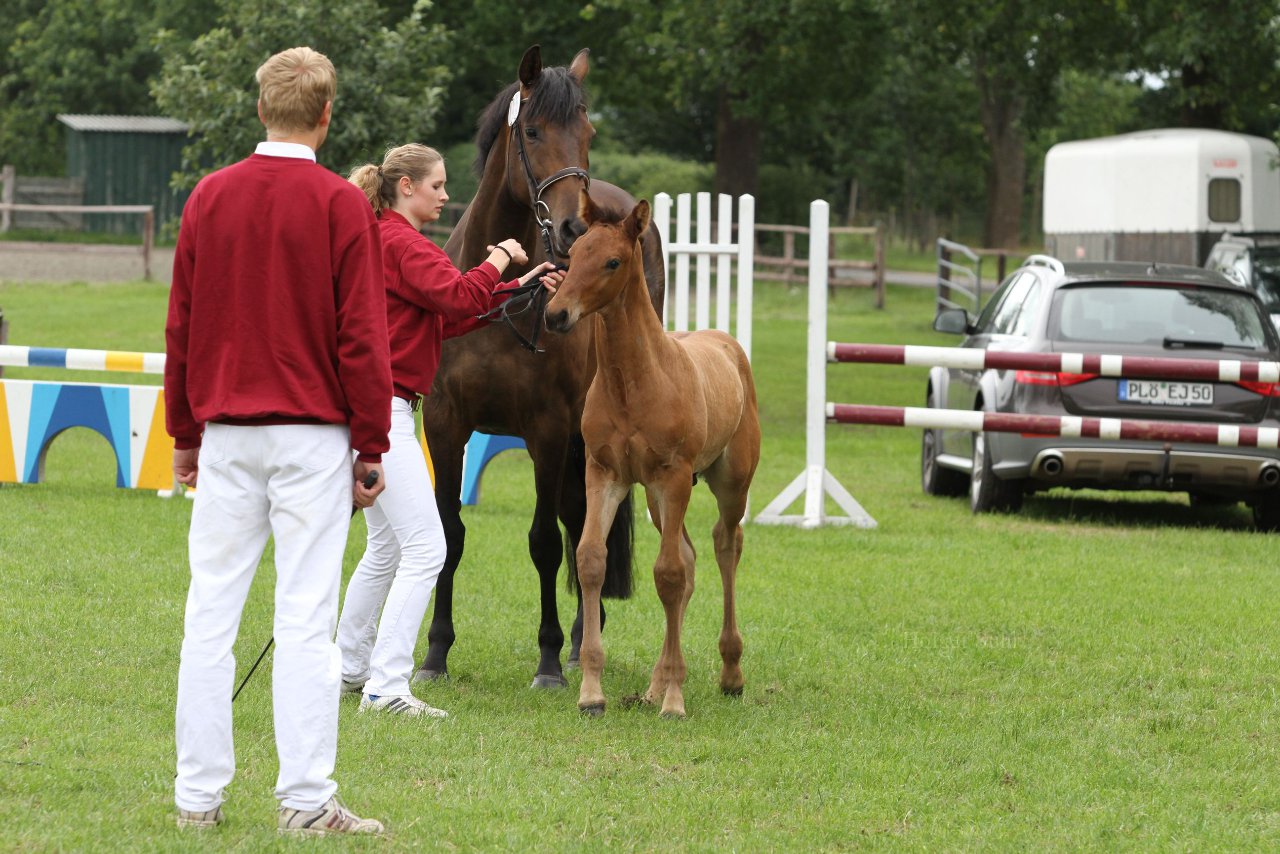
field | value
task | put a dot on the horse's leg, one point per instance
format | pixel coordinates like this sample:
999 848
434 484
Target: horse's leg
673 577
573 513
545 549
446 439
604 494
729 480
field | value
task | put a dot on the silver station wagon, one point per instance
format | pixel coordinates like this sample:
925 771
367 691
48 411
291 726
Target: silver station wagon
1108 308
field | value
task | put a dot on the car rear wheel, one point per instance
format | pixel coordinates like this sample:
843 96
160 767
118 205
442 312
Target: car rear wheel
988 493
1266 514
934 479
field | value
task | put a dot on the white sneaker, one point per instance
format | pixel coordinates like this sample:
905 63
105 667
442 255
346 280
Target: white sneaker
333 817
206 818
352 687
407 705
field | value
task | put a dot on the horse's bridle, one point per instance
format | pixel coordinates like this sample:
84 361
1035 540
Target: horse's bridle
541 211
533 295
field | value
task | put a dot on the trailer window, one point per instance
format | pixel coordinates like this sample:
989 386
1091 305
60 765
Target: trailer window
1224 200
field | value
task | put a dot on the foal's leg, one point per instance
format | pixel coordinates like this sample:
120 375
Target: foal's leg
688 556
729 480
673 576
727 536
604 494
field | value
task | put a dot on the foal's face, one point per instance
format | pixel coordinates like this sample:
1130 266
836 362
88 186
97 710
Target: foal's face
599 265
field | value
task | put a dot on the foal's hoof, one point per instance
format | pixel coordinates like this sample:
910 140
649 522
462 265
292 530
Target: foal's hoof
593 710
731 692
429 676
549 680
673 715
573 662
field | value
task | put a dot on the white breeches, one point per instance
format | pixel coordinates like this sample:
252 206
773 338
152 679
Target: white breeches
292 482
403 559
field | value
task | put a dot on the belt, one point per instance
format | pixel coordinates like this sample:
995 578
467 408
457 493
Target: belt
414 401
268 421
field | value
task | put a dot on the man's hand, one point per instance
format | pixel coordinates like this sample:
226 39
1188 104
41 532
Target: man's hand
363 496
186 465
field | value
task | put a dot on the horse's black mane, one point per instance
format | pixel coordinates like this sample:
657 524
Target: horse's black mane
556 98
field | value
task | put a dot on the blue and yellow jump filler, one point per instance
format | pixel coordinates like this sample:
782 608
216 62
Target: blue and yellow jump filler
129 417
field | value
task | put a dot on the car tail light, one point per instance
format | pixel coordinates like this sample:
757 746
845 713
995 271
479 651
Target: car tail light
1051 378
1264 389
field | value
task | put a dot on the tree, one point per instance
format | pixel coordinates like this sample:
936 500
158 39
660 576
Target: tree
489 39
919 150
1089 104
77 56
753 72
390 78
1014 51
1218 62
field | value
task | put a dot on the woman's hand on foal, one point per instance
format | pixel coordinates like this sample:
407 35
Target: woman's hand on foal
547 273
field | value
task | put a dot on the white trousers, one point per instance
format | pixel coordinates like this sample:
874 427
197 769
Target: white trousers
293 482
401 563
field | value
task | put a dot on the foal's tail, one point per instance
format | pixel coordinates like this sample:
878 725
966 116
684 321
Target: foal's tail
619 564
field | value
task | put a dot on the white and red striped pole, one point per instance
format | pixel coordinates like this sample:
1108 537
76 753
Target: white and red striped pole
1224 370
1070 426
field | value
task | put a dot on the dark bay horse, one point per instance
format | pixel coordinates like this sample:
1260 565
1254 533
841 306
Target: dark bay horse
532 157
664 409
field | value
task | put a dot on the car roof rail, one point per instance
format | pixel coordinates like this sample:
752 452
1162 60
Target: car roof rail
1045 261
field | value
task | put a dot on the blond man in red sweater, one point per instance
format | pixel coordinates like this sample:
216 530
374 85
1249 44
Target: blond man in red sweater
277 368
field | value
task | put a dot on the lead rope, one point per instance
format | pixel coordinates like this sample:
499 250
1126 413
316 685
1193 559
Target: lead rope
523 298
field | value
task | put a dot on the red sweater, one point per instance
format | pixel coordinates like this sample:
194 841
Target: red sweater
277 312
428 300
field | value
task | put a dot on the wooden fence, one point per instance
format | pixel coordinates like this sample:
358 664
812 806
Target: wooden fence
148 229
39 190
794 270
786 267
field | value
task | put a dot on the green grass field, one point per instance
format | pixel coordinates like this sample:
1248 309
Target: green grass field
1098 672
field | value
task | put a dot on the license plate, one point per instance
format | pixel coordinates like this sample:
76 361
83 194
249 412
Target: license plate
1162 393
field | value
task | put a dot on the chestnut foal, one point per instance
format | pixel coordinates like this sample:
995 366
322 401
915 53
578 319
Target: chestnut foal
663 409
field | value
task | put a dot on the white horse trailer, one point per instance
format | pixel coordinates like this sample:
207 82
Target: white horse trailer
1157 195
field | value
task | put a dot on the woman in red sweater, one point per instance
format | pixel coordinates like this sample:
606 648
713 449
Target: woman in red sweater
426 295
